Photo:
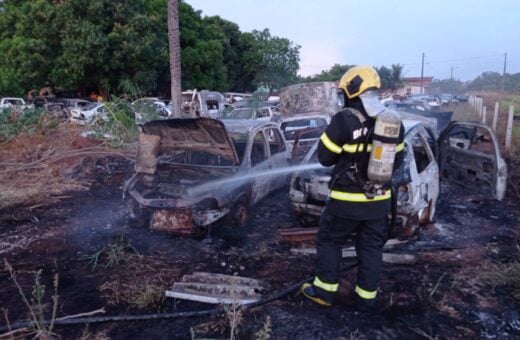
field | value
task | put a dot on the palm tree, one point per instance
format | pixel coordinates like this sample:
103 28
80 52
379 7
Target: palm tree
175 56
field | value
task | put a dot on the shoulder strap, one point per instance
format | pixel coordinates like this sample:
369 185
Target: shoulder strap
358 115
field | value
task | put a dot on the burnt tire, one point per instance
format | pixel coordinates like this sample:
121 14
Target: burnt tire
240 212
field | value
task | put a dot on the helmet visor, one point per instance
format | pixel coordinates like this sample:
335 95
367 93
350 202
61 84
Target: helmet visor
371 103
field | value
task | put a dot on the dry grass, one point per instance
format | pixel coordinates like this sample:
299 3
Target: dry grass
265 332
140 281
149 297
40 328
502 274
504 100
234 314
36 167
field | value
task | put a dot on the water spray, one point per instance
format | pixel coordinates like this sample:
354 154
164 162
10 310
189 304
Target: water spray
197 190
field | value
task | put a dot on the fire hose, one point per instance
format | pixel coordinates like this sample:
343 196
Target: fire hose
158 316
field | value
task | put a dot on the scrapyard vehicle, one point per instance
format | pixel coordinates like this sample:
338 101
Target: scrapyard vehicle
210 104
75 103
88 113
189 173
98 112
14 103
57 110
265 113
151 108
465 154
305 112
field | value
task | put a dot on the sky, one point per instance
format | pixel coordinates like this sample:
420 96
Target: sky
459 38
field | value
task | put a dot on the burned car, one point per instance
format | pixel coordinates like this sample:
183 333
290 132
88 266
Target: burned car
465 154
305 112
191 173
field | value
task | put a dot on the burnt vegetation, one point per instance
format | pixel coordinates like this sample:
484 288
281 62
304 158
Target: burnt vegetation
70 254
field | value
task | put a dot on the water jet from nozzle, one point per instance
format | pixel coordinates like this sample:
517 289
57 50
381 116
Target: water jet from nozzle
240 179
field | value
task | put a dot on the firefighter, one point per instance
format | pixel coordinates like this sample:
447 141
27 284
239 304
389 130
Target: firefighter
355 204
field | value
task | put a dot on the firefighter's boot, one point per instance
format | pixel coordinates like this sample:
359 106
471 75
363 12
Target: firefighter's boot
317 295
369 306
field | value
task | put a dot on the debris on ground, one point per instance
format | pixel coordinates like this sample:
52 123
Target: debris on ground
218 289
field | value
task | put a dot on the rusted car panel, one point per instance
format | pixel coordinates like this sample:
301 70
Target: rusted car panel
471 158
417 180
306 110
309 97
187 171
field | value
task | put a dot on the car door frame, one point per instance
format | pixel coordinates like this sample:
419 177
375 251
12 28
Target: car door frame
422 187
462 171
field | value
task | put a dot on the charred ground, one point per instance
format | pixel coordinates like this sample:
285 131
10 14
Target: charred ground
465 284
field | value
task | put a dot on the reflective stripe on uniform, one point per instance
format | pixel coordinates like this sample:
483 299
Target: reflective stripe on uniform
358 197
365 294
329 287
352 148
330 145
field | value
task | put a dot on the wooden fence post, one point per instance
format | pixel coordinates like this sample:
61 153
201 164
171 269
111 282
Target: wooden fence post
509 129
484 115
495 117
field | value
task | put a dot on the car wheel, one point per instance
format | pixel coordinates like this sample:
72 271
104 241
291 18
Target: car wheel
240 212
137 216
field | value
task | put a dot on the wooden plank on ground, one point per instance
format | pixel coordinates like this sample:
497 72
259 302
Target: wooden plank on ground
347 253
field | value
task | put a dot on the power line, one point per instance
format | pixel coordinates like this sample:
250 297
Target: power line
458 59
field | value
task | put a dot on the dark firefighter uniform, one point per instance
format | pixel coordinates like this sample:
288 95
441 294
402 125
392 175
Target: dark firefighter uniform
346 144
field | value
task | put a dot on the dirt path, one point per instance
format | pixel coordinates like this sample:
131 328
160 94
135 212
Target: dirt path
448 294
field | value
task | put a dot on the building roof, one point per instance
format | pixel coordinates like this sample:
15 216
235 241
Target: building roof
417 79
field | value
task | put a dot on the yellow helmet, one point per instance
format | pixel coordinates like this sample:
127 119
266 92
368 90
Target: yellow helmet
358 79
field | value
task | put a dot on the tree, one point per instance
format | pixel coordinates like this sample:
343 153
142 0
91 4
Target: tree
447 86
175 56
100 45
122 47
274 60
202 51
492 81
385 74
334 74
234 47
391 78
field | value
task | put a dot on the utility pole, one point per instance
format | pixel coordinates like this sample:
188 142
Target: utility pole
451 73
422 73
504 73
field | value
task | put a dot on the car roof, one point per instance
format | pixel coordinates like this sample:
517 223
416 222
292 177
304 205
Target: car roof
306 115
246 125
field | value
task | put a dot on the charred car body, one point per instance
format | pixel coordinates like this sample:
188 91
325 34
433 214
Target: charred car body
465 154
191 173
305 112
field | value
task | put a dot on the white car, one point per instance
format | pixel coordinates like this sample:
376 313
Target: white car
265 113
14 102
147 109
88 114
466 154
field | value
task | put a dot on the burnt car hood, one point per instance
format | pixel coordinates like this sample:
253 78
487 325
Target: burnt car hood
198 134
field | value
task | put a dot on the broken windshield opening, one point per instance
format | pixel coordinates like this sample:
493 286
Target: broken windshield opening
192 157
290 128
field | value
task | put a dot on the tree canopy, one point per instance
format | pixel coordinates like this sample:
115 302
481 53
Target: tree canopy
391 78
116 46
